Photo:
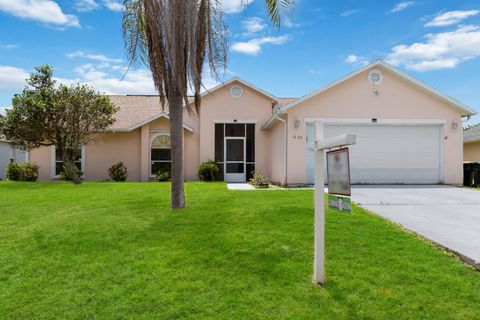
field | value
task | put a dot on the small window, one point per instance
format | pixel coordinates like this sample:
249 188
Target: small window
59 161
160 153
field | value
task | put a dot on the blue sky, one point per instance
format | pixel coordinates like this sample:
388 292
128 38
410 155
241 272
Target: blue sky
435 41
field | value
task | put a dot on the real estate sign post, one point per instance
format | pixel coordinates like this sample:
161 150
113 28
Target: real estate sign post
319 146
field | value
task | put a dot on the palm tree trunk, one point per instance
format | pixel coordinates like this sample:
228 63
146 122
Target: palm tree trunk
175 103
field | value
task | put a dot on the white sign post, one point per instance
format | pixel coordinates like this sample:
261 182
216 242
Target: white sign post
319 147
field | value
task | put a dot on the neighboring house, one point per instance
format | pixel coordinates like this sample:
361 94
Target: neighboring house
9 153
471 144
406 132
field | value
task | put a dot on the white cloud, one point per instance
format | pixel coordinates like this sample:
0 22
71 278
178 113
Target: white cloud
402 6
254 46
89 5
9 46
439 50
86 5
101 76
234 6
434 64
451 17
253 25
356 60
12 77
46 11
113 5
348 13
89 56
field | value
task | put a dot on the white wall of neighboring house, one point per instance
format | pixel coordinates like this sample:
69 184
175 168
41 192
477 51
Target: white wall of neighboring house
7 154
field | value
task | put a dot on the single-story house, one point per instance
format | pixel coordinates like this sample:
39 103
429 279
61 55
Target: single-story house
9 153
471 144
407 132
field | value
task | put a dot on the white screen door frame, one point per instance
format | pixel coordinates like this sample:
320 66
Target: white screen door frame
234 175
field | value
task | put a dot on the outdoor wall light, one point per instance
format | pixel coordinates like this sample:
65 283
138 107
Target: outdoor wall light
454 125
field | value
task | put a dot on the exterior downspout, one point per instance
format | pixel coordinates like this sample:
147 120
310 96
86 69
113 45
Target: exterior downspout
285 148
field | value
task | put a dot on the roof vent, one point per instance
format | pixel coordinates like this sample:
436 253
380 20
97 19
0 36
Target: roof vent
375 77
236 91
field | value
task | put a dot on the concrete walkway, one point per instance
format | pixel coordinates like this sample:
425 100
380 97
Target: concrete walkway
449 216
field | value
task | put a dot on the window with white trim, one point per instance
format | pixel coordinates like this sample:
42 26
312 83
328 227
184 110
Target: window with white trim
160 153
59 161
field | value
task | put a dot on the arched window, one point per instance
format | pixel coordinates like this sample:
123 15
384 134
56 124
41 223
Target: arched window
160 153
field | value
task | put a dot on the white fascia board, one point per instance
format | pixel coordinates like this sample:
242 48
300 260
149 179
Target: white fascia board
161 115
466 110
236 78
267 124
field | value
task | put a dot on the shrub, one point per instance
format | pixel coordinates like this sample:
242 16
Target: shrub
259 179
208 171
25 171
163 175
118 172
65 177
13 171
29 172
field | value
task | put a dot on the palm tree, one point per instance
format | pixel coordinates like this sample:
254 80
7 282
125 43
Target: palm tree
176 39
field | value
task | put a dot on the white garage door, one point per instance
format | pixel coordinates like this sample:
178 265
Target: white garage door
388 154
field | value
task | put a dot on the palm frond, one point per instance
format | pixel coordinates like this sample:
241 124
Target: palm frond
175 39
277 9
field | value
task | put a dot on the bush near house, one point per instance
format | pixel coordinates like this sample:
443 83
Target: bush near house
259 180
13 171
26 171
163 175
208 171
118 172
68 177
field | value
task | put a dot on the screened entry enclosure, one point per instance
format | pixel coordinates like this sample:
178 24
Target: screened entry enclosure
235 150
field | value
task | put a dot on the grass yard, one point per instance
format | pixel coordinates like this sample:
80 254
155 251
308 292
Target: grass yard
116 251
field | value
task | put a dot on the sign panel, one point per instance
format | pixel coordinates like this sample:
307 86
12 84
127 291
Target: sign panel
338 172
342 204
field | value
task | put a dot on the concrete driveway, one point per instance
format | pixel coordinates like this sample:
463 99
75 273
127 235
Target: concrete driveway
449 216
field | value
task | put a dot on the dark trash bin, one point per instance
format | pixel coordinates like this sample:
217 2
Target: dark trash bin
471 174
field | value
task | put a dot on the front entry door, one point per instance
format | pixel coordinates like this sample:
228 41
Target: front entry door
235 159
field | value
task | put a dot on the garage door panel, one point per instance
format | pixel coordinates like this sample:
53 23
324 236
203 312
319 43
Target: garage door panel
390 153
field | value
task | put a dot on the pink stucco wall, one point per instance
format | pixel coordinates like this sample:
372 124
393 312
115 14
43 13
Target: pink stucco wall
471 151
221 107
42 157
133 148
111 148
191 141
276 170
354 98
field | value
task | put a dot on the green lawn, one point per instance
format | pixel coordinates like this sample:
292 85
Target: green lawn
116 251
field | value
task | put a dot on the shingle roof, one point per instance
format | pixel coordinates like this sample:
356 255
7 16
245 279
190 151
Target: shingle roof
133 110
472 134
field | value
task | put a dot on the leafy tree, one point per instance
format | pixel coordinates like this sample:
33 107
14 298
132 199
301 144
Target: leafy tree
175 39
67 117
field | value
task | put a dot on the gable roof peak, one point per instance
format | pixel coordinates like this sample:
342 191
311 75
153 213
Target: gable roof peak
466 110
